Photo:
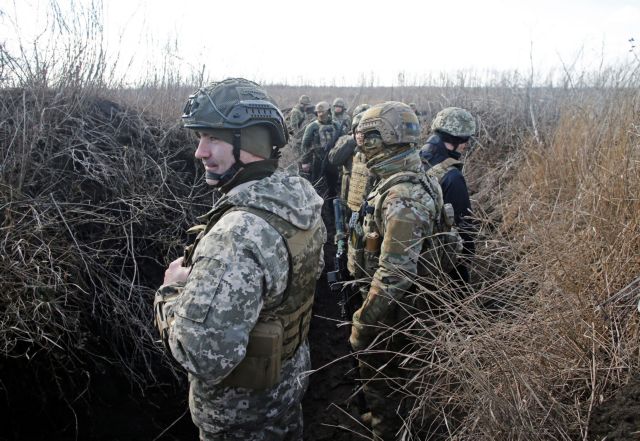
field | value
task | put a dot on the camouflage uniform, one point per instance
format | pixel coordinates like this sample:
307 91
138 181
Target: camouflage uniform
319 138
297 121
297 115
341 118
241 267
253 266
341 155
400 214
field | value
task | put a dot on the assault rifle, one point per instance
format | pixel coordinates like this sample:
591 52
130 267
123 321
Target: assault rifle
338 275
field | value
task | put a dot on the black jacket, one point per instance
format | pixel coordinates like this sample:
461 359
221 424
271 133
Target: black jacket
454 187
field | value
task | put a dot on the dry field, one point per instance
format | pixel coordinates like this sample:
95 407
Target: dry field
98 185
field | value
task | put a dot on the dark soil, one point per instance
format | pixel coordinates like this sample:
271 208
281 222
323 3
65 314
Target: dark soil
618 419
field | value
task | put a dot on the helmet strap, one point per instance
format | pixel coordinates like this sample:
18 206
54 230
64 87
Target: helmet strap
236 147
235 168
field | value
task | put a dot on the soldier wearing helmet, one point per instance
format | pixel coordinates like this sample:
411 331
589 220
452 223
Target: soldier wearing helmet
248 281
452 130
414 107
341 155
319 138
341 116
398 216
297 114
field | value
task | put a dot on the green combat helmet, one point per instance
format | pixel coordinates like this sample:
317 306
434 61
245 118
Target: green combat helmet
339 102
304 101
360 108
455 122
241 113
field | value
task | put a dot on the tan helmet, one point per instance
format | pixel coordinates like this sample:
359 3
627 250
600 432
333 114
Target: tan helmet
304 100
454 121
323 106
395 121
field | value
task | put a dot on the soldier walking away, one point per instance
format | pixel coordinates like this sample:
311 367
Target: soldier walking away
235 310
399 214
452 130
341 116
319 138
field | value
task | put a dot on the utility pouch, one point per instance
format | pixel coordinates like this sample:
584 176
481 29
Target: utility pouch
372 243
260 368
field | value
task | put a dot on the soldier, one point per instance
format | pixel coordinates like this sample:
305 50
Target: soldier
341 116
452 130
400 213
341 155
297 115
235 311
414 108
319 138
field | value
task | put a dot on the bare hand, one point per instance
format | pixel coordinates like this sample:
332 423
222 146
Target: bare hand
305 167
176 273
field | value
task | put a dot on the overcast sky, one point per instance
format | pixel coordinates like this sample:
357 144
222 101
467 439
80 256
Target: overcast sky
343 42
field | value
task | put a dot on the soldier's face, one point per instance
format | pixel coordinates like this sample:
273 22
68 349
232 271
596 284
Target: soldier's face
359 138
338 109
322 115
216 155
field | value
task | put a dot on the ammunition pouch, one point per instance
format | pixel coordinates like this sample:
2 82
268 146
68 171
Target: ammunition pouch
273 340
161 321
261 366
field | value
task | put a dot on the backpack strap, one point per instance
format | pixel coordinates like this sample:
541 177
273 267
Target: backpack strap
442 168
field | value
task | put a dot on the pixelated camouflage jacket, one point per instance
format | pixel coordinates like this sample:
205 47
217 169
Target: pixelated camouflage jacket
296 119
240 267
318 139
404 215
344 120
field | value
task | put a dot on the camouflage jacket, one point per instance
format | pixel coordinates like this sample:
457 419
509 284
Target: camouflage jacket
240 267
403 215
342 155
318 139
344 120
296 119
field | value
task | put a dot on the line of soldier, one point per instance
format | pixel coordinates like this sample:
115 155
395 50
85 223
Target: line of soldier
235 310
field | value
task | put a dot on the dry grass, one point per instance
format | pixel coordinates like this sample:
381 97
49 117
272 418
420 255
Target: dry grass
97 184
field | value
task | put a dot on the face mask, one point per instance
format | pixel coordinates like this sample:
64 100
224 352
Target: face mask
372 144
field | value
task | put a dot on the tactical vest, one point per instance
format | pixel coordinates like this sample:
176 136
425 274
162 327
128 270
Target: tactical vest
280 330
439 170
324 138
360 182
439 251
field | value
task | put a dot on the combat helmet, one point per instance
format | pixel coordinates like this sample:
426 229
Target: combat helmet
304 100
234 103
454 121
389 127
360 108
339 102
241 113
323 106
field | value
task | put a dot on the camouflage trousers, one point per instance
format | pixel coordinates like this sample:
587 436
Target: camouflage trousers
383 378
287 428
